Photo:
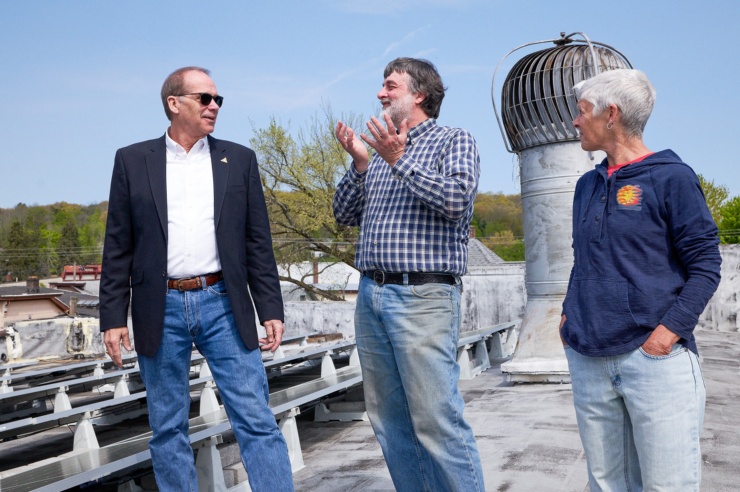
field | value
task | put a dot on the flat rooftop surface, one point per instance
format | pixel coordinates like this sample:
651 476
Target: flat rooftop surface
527 434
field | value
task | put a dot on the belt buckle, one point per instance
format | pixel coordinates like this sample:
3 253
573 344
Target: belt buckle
382 277
181 288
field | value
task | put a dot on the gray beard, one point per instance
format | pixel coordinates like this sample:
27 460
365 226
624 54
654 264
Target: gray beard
397 115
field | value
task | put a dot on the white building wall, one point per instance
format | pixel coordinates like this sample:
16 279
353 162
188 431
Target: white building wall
61 337
498 294
721 312
25 309
491 296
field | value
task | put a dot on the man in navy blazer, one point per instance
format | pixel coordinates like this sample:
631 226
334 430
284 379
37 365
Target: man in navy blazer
188 244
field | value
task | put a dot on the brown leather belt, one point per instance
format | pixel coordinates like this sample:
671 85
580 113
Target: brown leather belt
182 284
414 278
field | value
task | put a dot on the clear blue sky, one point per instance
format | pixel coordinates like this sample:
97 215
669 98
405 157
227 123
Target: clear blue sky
81 78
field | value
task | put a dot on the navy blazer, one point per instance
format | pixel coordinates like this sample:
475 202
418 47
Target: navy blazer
135 252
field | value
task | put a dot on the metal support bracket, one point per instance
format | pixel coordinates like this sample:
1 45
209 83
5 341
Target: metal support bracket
84 437
208 465
354 357
61 400
204 370
327 365
343 411
208 400
121 388
289 428
471 367
5 387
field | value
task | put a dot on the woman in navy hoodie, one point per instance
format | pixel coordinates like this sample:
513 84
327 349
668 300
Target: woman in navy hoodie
646 262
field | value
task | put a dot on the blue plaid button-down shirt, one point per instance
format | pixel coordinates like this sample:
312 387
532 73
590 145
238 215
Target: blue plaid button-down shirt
415 216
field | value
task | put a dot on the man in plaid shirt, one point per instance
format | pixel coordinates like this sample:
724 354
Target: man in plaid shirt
413 202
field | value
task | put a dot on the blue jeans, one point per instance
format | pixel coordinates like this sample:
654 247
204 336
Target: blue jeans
407 342
204 317
640 419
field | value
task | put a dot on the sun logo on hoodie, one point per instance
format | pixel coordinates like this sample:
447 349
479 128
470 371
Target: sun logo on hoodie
630 197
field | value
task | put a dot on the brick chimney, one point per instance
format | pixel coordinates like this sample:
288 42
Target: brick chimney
472 232
32 285
73 306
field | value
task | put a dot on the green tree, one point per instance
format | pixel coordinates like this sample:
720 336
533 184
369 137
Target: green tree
715 195
498 221
47 260
505 245
44 237
299 176
20 255
92 233
496 213
68 245
729 226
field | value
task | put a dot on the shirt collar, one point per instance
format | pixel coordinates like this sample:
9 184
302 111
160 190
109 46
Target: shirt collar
175 149
420 129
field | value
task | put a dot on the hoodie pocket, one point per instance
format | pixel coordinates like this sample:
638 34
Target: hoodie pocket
598 312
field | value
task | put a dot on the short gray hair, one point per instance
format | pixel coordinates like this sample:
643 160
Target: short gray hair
174 85
630 90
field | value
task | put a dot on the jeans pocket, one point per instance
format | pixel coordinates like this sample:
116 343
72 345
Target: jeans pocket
432 291
677 349
218 289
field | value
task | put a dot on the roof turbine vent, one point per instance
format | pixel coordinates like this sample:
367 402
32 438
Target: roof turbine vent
537 101
537 111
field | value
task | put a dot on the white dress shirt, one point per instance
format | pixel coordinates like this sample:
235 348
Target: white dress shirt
191 243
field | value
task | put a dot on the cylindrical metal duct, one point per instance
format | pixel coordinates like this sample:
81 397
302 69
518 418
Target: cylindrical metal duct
538 108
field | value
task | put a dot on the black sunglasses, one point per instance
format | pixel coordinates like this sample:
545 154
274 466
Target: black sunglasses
206 98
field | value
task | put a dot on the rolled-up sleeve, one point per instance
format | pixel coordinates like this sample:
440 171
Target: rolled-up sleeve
450 188
349 198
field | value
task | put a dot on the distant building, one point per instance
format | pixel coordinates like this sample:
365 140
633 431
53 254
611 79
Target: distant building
78 272
37 322
21 303
344 280
481 258
337 278
32 302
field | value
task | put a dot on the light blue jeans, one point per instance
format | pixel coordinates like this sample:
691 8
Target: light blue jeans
407 342
204 317
640 419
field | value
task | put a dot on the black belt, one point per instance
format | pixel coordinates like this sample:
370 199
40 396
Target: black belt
414 278
182 284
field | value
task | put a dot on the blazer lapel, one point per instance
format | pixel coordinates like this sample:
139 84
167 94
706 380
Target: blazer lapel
220 166
156 164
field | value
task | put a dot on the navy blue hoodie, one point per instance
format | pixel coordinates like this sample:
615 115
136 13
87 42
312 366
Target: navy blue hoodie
646 252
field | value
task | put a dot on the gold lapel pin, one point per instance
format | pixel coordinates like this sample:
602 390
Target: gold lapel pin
225 160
